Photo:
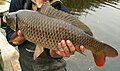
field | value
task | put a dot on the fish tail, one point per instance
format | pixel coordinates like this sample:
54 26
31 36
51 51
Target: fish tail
99 49
109 51
100 57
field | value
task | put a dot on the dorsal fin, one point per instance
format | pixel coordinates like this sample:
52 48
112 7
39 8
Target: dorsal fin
48 10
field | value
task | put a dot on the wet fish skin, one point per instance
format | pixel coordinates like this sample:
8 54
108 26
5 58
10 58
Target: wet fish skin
50 26
46 32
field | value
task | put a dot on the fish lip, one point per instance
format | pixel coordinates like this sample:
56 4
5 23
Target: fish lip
4 18
10 18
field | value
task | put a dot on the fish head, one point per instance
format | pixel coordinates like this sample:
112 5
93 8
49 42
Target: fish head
11 20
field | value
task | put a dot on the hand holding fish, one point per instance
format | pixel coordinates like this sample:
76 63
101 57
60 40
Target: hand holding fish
47 30
19 39
65 49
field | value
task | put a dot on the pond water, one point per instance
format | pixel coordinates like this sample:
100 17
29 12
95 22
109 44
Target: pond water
102 16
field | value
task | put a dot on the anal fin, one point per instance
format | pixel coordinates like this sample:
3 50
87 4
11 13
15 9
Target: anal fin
38 51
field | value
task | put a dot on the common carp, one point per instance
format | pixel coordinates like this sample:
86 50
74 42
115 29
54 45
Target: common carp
9 57
49 26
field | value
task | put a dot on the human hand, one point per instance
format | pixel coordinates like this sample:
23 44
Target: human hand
39 3
19 39
65 49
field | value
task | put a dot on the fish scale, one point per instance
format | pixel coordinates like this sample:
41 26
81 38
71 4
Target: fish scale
58 27
43 29
46 30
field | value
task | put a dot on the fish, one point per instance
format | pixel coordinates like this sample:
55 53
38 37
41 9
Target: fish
9 57
48 26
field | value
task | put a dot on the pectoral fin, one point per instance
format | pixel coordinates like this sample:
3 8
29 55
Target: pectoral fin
38 51
99 59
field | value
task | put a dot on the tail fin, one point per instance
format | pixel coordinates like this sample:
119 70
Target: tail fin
100 57
110 52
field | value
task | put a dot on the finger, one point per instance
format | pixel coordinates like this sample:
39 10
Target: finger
62 54
60 50
71 46
60 47
15 35
20 33
82 49
65 47
18 40
54 54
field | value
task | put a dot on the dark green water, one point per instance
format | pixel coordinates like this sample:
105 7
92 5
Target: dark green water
103 17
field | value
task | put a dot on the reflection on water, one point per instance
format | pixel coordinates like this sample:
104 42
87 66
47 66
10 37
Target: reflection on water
77 6
102 16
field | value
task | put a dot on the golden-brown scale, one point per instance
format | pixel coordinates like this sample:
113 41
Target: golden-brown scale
47 32
46 29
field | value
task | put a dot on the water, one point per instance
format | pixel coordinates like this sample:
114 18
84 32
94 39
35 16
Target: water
102 16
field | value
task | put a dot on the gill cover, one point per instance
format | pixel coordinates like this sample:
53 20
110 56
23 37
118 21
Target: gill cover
11 20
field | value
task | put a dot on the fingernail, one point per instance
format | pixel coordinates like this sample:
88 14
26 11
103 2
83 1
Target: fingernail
59 47
82 46
68 41
19 31
62 41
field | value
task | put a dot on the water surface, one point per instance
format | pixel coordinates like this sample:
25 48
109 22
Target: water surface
102 16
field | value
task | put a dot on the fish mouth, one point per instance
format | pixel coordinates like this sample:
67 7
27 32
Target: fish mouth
10 19
4 18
